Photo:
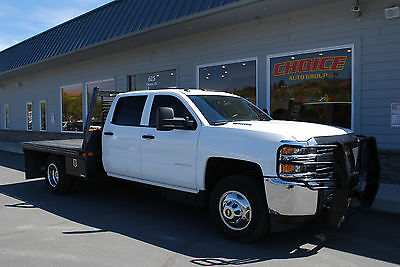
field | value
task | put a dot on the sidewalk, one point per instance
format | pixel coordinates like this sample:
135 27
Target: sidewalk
387 199
10 147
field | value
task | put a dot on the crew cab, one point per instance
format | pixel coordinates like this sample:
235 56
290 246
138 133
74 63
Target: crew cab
257 174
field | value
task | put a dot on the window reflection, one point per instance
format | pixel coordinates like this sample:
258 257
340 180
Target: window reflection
238 78
29 116
312 87
72 108
154 80
43 126
7 121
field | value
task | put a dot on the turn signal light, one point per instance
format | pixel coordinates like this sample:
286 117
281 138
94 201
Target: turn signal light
288 150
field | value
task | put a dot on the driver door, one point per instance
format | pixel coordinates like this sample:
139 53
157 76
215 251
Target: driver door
169 157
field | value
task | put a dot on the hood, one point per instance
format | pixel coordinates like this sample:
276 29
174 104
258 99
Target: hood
300 131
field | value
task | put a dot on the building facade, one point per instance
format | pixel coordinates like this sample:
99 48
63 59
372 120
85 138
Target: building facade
317 61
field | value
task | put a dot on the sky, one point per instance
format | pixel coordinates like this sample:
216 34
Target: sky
22 19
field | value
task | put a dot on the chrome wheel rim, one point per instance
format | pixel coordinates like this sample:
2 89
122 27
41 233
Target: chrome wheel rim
52 174
235 210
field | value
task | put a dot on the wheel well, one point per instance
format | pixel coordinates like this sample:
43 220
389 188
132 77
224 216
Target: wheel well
218 168
35 163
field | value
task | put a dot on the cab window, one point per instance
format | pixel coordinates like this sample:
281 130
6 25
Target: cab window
180 111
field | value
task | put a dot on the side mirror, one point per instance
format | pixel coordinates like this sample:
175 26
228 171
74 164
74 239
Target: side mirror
165 119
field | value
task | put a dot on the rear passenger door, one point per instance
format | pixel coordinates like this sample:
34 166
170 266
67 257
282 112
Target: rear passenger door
122 138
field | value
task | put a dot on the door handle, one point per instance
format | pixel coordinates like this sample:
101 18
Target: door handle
148 136
108 133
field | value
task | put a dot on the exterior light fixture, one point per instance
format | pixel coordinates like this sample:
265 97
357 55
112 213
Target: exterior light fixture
244 63
349 50
223 66
222 76
172 74
356 10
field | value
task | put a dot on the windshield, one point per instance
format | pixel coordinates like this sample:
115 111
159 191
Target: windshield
222 109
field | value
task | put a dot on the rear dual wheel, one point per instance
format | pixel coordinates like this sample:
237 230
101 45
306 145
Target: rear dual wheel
56 179
239 207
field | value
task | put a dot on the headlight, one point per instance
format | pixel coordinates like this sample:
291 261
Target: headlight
293 160
296 150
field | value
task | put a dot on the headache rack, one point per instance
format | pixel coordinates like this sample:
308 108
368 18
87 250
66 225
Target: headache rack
104 99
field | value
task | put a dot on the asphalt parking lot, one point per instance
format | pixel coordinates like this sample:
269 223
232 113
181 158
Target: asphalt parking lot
125 224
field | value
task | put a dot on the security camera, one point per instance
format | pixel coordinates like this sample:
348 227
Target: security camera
356 10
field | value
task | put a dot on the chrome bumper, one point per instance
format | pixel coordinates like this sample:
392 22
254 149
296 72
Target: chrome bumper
290 198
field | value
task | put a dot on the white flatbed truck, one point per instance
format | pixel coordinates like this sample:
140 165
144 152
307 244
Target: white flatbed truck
257 174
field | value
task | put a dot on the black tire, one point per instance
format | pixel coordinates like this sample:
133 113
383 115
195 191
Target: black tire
56 180
246 189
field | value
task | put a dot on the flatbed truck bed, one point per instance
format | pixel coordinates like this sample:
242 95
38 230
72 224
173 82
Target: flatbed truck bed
78 157
67 147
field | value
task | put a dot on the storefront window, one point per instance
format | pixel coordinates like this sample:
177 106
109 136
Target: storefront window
29 116
154 80
43 126
238 78
312 87
6 119
72 108
106 85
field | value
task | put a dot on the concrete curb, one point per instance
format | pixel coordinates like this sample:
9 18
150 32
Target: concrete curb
387 199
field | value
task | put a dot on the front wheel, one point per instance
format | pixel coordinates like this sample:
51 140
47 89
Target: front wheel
239 207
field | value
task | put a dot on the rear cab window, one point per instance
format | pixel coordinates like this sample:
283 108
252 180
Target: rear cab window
129 110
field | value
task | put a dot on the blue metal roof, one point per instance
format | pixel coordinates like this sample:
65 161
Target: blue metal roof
111 21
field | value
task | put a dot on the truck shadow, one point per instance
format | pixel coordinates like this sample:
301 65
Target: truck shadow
12 161
144 214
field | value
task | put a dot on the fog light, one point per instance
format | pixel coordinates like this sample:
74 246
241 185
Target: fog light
288 168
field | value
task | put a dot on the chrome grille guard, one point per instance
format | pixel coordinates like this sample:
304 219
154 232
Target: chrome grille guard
332 166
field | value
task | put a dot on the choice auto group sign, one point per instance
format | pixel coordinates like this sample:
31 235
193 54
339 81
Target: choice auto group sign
308 68
292 69
317 65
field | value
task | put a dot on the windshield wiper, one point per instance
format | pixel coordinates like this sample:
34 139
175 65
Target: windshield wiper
220 123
